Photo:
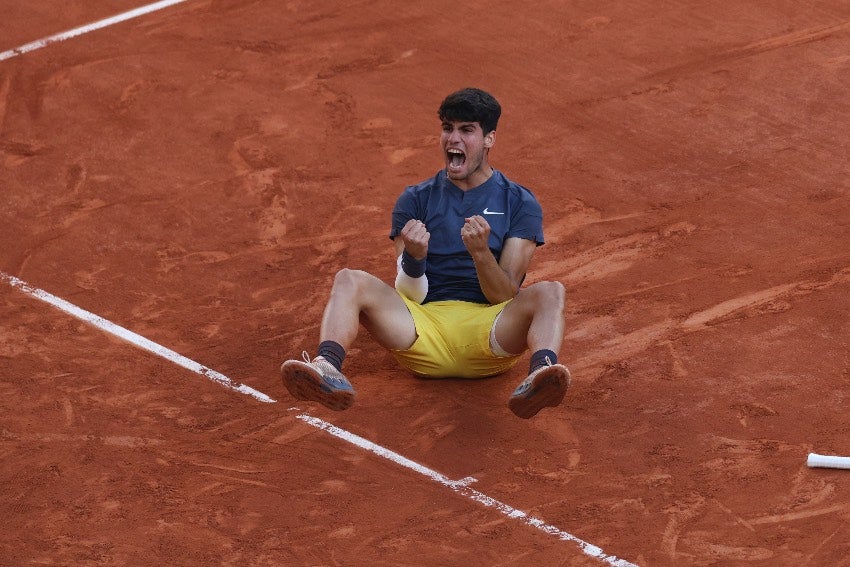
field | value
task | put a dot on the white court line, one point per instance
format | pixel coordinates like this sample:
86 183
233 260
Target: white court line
459 486
462 488
38 44
132 337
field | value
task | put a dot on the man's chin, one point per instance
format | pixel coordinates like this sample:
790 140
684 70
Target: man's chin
456 174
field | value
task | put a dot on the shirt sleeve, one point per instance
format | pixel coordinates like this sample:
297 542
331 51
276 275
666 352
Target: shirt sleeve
405 209
527 219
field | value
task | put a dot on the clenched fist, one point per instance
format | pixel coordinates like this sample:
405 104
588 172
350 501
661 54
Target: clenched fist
415 237
476 234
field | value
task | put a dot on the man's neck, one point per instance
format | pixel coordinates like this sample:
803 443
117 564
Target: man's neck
478 179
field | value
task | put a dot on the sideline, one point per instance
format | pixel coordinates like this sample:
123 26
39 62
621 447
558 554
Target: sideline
459 486
129 15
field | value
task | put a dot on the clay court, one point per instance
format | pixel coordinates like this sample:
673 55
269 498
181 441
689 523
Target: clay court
197 174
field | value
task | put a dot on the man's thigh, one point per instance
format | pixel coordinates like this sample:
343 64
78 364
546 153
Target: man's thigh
511 328
386 317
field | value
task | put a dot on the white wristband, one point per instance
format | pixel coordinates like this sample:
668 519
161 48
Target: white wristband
414 289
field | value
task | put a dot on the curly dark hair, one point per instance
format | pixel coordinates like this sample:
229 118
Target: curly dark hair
471 105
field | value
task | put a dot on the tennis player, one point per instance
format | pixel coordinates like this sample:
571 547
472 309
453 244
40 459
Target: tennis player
464 240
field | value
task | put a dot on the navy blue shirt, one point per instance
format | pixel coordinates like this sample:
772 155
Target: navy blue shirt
509 208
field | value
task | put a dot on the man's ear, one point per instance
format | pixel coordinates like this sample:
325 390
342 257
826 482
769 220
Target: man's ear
490 139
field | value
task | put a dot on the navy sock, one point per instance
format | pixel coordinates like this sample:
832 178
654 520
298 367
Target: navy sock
332 352
538 359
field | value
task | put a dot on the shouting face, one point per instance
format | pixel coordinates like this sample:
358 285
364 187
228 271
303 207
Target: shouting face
465 148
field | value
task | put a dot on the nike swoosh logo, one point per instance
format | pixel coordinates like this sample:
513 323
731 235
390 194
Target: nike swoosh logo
487 211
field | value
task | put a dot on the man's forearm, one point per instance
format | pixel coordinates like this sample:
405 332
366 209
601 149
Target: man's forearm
494 281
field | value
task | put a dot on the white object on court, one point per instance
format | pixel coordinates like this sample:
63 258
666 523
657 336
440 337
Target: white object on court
123 17
828 461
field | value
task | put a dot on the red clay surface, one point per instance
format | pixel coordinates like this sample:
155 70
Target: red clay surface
198 175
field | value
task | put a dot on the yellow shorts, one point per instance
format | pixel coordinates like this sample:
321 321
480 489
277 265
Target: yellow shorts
453 340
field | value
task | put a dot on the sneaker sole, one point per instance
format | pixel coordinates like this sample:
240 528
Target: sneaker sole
304 383
547 390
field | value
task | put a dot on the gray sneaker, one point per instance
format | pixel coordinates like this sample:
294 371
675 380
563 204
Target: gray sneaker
317 381
545 387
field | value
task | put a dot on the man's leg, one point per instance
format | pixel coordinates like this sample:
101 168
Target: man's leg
356 297
535 320
359 297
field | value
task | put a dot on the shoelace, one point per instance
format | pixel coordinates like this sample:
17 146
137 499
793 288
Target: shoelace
328 371
524 385
548 362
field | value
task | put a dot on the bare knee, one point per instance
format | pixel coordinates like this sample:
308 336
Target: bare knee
552 295
346 277
349 282
358 287
541 297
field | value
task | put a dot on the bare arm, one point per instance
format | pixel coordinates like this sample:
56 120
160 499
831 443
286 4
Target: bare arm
398 242
501 280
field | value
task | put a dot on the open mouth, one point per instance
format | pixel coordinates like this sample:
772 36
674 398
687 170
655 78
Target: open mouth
456 158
